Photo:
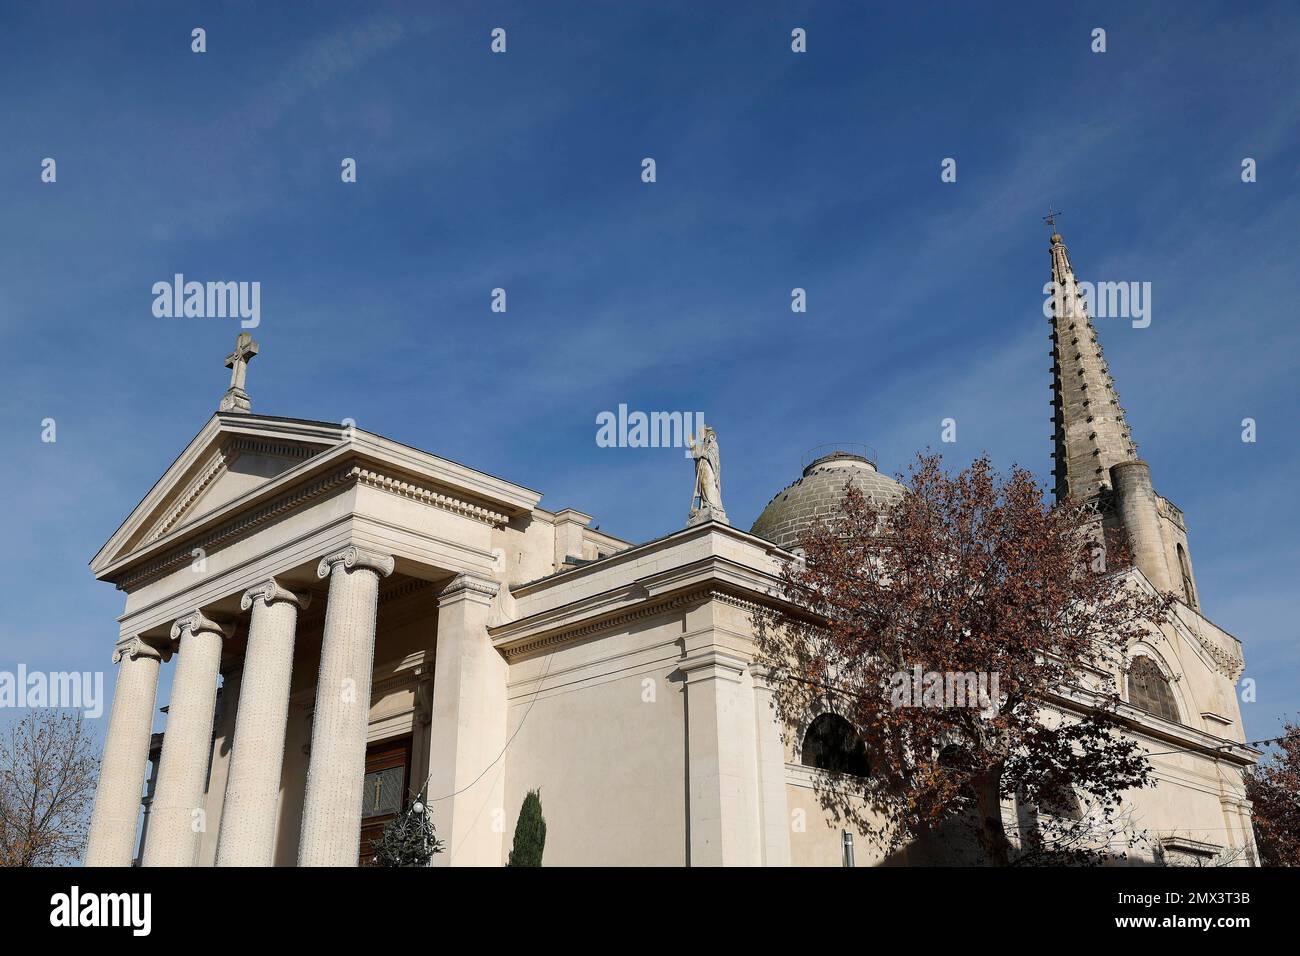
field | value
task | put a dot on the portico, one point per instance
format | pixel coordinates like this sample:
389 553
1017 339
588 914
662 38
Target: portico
299 565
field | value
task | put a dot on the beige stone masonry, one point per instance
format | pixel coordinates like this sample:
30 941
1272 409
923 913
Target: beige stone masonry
331 816
468 732
773 806
722 749
1137 510
1092 433
176 817
126 752
253 787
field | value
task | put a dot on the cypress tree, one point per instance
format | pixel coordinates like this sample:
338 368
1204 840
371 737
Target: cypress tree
530 832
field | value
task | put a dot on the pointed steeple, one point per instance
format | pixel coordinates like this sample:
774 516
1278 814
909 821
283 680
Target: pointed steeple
1091 432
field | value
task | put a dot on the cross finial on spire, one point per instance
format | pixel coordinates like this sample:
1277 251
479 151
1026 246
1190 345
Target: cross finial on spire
1050 218
236 398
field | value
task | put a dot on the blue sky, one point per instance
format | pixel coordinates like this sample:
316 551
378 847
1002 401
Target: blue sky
522 171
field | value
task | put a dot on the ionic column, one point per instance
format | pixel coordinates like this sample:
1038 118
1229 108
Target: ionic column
175 819
331 815
248 813
113 822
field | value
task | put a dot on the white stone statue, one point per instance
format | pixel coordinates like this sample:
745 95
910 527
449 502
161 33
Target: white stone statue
706 500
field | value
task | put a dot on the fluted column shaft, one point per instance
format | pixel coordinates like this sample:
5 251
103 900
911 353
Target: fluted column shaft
248 812
175 818
331 816
113 822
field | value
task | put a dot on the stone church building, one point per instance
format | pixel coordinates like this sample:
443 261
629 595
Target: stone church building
353 621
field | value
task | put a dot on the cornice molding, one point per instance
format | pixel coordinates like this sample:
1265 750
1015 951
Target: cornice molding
712 662
405 588
666 543
390 593
1188 845
428 496
652 608
245 524
1076 700
235 529
468 584
726 597
1226 663
401 677
768 676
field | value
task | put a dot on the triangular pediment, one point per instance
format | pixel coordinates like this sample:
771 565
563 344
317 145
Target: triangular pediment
239 462
235 466
231 457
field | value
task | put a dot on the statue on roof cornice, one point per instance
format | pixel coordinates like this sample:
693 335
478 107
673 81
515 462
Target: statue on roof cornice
706 500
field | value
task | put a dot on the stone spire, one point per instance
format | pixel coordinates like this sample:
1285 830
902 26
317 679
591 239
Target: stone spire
236 398
1091 432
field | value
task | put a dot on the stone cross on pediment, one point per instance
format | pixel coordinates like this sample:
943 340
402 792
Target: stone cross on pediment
236 398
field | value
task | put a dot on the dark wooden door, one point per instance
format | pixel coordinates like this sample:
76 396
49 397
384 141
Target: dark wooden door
386 792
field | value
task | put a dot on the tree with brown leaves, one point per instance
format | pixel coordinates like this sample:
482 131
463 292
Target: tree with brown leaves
48 771
964 582
1274 789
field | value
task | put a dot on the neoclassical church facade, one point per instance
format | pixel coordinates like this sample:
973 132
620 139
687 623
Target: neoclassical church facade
354 623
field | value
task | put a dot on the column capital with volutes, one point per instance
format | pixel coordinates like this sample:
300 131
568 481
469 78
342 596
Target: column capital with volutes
271 591
353 557
136 646
196 622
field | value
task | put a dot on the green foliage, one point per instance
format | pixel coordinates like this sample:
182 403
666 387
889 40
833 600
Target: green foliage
530 832
407 840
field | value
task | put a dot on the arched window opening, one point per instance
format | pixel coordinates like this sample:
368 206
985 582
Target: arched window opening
1150 690
1185 566
832 744
1064 805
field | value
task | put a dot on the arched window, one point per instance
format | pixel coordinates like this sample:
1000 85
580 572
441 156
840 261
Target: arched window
832 744
1149 689
1064 805
1185 566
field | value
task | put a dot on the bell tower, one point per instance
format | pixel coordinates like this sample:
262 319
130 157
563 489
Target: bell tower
1095 456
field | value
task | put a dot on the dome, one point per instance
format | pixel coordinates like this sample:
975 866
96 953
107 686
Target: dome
817 494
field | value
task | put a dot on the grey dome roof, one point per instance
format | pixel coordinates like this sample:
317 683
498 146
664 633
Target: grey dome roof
817 494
